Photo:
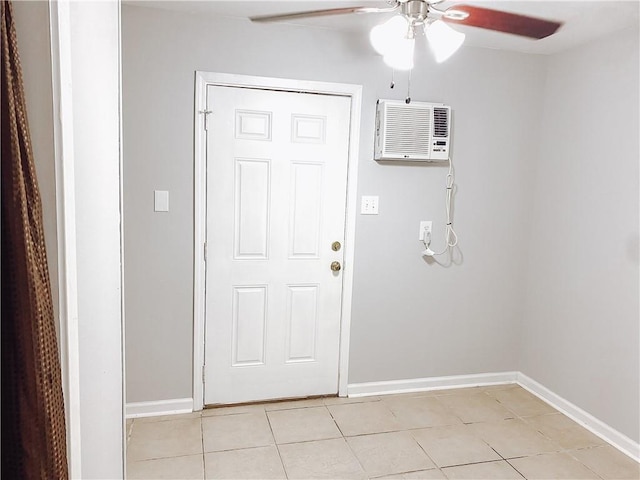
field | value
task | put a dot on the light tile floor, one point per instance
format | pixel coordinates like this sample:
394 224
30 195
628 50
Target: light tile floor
499 432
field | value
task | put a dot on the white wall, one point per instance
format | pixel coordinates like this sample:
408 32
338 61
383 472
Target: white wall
581 337
410 318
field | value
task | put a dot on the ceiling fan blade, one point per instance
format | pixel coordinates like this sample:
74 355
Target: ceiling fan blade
321 13
501 21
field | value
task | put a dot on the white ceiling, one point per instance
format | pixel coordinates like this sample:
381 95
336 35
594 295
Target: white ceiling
583 20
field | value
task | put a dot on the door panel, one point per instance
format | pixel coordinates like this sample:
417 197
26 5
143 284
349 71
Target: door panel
306 210
251 208
302 316
249 318
276 196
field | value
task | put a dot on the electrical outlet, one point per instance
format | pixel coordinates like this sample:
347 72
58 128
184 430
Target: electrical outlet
369 205
425 229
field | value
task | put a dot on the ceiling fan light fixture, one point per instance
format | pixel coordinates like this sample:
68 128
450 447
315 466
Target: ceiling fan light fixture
443 40
385 35
400 55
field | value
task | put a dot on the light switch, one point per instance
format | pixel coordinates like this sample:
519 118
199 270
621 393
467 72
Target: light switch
161 200
369 205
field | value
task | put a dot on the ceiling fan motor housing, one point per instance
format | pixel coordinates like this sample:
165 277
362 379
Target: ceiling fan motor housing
415 10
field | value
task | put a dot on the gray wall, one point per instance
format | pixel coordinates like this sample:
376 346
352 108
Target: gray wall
410 318
32 26
546 155
580 336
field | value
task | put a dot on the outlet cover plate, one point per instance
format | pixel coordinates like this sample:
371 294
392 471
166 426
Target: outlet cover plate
425 227
369 205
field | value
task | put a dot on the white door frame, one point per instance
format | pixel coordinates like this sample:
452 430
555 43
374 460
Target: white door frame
203 80
88 170
61 73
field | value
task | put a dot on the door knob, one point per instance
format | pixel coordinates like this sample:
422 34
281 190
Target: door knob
335 266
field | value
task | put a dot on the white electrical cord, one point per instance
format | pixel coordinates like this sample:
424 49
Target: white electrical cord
450 236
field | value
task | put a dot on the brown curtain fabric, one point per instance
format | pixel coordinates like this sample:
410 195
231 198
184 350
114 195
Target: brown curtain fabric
33 426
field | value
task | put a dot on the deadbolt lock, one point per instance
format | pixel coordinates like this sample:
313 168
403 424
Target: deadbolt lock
335 266
335 246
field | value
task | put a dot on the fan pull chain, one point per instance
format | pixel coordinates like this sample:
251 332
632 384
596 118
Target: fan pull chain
408 99
393 74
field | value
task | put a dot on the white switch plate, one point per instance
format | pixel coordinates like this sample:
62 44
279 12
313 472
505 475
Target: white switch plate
369 205
425 227
161 200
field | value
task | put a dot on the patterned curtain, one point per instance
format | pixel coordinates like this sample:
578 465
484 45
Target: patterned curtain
33 426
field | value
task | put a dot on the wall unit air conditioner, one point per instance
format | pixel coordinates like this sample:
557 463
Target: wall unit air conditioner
417 131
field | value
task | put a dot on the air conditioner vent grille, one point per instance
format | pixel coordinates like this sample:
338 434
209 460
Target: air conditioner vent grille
440 122
407 132
414 132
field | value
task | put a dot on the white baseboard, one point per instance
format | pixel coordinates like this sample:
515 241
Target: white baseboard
160 407
588 421
430 383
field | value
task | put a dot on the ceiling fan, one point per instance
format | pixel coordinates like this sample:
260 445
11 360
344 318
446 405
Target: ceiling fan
395 39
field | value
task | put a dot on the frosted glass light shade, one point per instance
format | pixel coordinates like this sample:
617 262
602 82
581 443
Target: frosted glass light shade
400 55
384 35
444 41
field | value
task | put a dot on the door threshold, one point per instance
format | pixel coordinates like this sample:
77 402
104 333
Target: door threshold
263 402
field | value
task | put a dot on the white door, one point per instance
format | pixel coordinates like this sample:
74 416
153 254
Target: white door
276 196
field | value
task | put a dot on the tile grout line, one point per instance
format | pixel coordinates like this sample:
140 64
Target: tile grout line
513 466
582 463
284 468
566 451
407 430
344 439
446 407
204 464
426 453
477 463
554 453
335 422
